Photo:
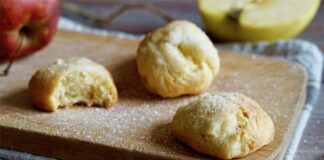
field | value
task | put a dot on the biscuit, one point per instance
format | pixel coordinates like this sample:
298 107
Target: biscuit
224 125
177 59
72 81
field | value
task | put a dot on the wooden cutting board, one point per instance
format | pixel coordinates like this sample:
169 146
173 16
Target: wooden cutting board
139 125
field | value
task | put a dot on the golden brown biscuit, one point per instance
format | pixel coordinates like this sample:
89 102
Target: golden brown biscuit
177 59
224 125
71 81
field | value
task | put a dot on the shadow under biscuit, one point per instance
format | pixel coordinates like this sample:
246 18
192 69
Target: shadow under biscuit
161 135
18 99
128 82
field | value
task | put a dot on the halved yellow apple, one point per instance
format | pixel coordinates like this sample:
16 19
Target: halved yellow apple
253 20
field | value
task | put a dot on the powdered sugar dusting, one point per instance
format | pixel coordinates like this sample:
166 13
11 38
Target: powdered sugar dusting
141 121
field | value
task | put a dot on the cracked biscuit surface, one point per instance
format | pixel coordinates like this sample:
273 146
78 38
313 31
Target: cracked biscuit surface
72 81
224 125
177 59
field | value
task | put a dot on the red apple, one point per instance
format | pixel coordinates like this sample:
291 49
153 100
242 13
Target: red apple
26 26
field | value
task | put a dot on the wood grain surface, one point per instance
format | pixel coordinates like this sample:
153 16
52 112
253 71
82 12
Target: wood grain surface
139 125
312 144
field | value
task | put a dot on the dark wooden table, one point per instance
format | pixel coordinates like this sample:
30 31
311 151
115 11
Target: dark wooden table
312 143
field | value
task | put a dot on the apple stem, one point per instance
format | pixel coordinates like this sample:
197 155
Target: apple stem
16 54
235 14
98 19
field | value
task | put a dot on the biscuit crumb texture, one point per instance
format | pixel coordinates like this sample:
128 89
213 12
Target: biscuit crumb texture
177 59
72 81
225 125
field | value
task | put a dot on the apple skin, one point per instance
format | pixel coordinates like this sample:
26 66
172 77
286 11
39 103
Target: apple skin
32 22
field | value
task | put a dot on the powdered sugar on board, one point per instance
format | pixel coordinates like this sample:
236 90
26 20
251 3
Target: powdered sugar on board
141 121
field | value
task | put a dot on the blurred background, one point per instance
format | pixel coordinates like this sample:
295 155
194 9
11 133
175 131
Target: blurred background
140 21
136 21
